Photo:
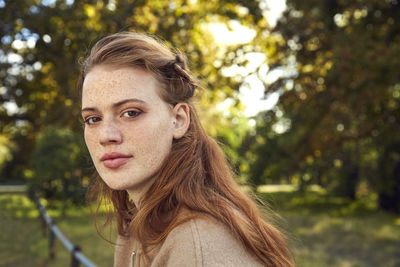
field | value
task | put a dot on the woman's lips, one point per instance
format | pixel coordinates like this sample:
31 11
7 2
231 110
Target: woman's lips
114 160
115 163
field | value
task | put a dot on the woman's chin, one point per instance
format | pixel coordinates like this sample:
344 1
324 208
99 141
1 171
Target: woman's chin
116 186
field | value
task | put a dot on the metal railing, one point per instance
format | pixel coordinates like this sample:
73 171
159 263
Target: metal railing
77 257
12 188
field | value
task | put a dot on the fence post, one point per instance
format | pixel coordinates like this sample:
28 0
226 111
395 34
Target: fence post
45 227
52 251
74 261
43 224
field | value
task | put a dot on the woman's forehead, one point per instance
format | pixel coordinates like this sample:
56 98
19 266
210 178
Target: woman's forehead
113 84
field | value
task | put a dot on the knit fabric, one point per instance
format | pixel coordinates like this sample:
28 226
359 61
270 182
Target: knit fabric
196 243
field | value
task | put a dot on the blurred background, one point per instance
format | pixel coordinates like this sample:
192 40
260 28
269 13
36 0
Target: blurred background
303 95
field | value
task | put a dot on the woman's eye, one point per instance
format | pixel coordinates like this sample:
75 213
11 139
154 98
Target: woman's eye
131 113
92 120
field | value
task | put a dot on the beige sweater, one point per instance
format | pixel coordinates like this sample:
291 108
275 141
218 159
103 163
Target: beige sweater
198 242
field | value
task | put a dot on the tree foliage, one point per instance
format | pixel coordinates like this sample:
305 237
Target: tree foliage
43 43
333 63
339 103
59 168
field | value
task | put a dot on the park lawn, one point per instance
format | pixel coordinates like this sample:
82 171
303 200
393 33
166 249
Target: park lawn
22 241
324 231
332 231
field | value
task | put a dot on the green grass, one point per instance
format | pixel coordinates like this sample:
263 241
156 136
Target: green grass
331 231
23 243
325 231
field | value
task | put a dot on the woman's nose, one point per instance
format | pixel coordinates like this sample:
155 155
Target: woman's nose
110 134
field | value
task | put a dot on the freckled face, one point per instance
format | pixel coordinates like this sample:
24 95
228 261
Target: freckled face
128 127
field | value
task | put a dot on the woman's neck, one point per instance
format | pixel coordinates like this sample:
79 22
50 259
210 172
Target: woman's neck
137 192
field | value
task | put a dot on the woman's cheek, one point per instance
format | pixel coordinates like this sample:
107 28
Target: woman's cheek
90 140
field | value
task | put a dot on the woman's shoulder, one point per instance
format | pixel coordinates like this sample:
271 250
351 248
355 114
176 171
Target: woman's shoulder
203 241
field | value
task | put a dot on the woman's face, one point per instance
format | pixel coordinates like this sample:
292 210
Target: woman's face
128 128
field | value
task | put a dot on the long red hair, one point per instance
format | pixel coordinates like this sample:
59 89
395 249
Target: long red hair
195 176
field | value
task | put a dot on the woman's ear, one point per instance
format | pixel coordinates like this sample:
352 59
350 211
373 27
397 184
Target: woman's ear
181 121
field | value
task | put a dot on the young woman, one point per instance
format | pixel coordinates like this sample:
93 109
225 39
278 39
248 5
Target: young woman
175 200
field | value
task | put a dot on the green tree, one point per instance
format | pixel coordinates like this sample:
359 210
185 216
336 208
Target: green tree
43 43
340 91
58 167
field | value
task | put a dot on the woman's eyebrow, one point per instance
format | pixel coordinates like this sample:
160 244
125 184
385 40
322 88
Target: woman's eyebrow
88 109
116 105
122 102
